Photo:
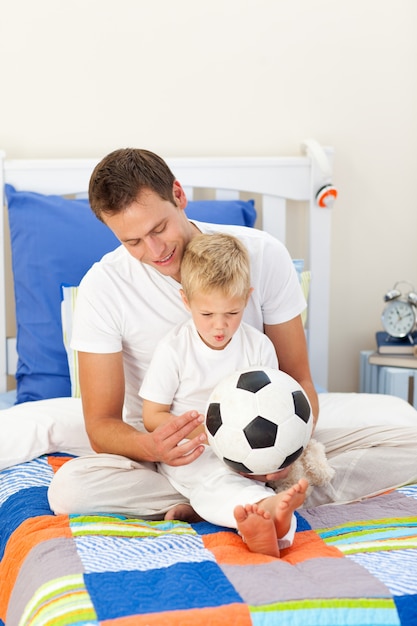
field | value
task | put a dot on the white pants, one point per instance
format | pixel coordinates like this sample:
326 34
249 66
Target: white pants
366 460
214 490
97 483
371 443
113 483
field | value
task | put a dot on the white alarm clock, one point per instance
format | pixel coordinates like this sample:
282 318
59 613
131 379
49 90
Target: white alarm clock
399 314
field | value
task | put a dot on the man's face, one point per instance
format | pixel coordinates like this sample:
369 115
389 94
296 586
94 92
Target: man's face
155 231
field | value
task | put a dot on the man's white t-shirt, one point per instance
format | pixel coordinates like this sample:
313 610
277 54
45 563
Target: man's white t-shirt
184 370
125 305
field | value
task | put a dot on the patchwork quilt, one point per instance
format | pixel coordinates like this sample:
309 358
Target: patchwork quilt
350 565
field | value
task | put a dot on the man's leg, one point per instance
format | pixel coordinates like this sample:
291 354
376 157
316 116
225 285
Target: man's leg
110 483
367 461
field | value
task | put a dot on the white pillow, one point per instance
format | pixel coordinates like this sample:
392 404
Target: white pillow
364 409
30 429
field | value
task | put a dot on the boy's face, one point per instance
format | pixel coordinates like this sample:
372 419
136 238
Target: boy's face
216 316
155 231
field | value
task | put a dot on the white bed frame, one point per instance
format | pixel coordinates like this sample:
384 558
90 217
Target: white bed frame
276 179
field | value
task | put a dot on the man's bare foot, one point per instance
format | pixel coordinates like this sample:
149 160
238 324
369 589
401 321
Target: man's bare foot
184 513
257 529
282 505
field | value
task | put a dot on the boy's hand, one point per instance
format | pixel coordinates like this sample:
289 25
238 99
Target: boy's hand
168 440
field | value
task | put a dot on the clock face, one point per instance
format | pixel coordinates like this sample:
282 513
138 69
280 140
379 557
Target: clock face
398 318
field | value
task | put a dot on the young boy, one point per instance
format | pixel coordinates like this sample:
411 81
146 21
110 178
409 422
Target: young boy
186 366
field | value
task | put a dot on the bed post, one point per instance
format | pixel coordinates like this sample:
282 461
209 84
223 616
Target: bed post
320 258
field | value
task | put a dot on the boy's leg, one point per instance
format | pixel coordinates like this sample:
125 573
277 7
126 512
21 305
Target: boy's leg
214 491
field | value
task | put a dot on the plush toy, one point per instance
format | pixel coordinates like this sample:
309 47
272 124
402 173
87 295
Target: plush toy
312 465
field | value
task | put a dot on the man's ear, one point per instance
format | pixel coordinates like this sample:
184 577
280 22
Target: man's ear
249 294
184 299
178 192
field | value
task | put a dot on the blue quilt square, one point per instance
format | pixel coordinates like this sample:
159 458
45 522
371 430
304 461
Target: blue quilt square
19 507
407 608
180 587
302 523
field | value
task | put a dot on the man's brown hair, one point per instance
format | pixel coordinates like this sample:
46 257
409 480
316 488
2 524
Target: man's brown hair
122 175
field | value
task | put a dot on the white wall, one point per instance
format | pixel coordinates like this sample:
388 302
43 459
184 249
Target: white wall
234 77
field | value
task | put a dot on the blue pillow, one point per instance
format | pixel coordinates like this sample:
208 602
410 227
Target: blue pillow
54 241
238 212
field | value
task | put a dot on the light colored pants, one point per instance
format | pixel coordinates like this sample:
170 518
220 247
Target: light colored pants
111 483
363 467
370 441
97 483
214 490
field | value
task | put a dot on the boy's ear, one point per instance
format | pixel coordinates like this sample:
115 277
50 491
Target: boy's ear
184 299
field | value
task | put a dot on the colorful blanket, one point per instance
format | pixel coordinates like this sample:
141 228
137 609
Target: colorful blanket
349 565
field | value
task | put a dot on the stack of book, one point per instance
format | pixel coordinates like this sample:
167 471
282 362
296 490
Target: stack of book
394 352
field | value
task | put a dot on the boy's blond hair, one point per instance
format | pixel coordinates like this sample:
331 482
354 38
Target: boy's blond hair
216 262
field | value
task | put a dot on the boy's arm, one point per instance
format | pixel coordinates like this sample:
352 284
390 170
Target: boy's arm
102 386
155 415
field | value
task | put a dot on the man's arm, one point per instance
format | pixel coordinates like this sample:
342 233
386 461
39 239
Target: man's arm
291 348
102 386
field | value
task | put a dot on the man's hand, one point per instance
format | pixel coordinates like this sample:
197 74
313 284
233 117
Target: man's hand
266 478
167 440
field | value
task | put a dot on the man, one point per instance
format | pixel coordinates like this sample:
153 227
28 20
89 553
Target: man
130 299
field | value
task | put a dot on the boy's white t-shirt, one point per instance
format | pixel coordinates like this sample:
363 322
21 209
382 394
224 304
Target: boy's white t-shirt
184 370
125 305
182 374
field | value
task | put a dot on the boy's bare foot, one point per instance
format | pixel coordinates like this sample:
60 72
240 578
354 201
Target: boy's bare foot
184 513
282 505
257 529
262 524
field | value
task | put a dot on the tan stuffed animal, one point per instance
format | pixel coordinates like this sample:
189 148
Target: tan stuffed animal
312 465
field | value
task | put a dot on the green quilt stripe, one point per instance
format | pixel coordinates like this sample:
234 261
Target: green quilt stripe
343 603
390 523
379 546
372 536
125 527
61 601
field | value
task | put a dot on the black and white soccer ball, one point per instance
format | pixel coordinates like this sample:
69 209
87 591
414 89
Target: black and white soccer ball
258 420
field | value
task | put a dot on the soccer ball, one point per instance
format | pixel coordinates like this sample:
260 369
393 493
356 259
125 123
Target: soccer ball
258 420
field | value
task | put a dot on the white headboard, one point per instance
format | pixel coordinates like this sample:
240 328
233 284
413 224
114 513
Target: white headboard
276 179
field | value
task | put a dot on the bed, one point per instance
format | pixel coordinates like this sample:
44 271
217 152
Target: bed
350 564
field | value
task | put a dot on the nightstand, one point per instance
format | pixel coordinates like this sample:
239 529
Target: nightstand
395 381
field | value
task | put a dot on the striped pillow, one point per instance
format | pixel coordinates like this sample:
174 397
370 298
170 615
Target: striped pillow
69 297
